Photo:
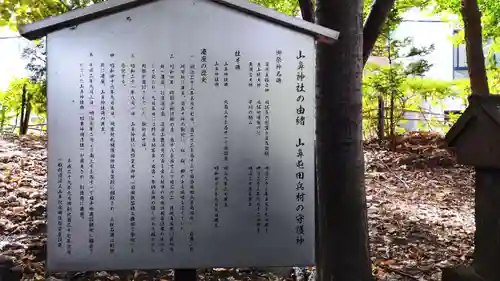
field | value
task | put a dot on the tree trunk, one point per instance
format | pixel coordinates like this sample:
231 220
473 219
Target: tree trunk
474 47
373 26
392 102
2 119
381 119
342 233
26 120
392 121
307 10
15 124
23 108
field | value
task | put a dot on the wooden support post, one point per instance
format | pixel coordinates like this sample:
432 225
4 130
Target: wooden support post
475 138
487 245
185 275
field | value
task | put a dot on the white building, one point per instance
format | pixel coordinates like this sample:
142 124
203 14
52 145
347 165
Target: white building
448 61
11 64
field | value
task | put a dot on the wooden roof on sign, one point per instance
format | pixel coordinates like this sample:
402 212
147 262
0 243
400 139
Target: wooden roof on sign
75 17
489 105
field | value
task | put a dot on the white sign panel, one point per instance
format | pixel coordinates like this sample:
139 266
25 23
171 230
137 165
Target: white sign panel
181 136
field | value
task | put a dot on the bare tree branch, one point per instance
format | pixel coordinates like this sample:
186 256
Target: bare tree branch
373 26
40 58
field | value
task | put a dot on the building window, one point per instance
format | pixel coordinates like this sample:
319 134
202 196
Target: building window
459 55
496 58
459 58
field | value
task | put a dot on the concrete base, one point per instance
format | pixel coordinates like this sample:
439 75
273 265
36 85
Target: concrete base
461 273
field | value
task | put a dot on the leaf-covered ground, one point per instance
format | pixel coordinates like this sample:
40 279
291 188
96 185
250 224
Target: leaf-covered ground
420 209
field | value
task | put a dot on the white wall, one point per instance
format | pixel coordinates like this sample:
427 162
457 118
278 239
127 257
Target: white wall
11 64
426 30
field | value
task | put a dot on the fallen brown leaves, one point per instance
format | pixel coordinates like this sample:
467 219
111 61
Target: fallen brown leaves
23 198
420 209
